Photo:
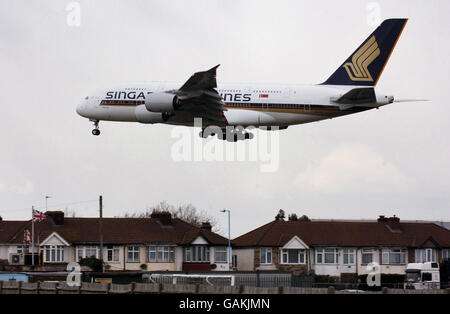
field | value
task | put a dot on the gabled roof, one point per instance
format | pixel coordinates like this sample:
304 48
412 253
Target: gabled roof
115 231
12 228
344 233
55 235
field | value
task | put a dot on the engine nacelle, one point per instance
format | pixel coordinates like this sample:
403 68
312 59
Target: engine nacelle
145 116
161 102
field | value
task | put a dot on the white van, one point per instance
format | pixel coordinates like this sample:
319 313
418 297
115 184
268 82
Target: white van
422 276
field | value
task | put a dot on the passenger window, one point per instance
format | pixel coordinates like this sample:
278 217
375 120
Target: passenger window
426 276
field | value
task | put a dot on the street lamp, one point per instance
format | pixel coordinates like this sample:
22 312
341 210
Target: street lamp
229 238
46 199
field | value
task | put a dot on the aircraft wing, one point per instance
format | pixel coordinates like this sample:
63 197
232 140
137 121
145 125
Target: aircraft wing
199 97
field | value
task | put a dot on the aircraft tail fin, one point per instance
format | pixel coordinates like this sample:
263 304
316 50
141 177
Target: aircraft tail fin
365 65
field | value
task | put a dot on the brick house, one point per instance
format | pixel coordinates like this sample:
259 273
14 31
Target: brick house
341 248
130 244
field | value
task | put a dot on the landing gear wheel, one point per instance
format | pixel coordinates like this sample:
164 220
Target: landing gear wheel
95 131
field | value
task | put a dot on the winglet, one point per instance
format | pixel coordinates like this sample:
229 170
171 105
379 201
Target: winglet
214 70
201 80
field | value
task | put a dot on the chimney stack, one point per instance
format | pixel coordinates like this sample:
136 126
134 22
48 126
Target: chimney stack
392 223
57 217
206 226
164 217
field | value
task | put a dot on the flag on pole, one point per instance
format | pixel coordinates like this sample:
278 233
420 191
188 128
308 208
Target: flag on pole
27 236
38 216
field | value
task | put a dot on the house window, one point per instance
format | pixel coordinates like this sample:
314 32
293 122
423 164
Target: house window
133 254
367 256
293 256
160 254
112 254
446 254
266 255
425 255
234 261
327 256
197 254
220 255
393 256
53 253
349 256
87 251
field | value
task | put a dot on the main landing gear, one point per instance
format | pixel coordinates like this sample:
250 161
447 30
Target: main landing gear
96 130
228 134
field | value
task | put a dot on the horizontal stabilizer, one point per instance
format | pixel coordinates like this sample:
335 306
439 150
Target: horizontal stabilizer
355 97
358 96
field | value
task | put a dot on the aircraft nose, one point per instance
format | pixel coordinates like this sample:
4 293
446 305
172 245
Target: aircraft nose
81 109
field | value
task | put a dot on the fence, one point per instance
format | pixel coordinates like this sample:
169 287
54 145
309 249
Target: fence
18 287
266 279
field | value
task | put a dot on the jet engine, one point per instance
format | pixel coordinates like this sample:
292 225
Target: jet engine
145 116
161 102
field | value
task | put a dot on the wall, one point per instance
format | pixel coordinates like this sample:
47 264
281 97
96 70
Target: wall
245 258
18 287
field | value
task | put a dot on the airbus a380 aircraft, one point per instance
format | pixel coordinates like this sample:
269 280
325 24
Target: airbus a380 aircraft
231 108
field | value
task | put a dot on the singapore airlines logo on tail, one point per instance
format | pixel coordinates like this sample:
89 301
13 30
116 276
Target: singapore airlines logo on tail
357 69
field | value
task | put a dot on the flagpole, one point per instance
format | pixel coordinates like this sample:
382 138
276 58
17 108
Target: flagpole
32 236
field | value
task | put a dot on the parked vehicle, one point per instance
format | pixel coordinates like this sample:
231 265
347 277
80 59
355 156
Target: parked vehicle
422 276
13 277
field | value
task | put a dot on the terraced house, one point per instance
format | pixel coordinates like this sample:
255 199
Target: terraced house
341 248
130 244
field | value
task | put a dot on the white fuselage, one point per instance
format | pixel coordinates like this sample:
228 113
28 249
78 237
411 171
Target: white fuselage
246 104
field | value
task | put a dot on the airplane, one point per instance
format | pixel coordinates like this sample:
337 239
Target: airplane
229 109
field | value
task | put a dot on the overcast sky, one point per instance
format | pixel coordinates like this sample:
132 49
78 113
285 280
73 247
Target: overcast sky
389 161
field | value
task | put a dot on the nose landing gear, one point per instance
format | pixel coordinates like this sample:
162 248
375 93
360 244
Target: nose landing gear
96 130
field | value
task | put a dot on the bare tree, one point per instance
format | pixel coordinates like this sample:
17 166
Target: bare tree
186 212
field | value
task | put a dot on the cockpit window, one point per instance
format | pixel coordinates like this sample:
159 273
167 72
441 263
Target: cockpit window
86 98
